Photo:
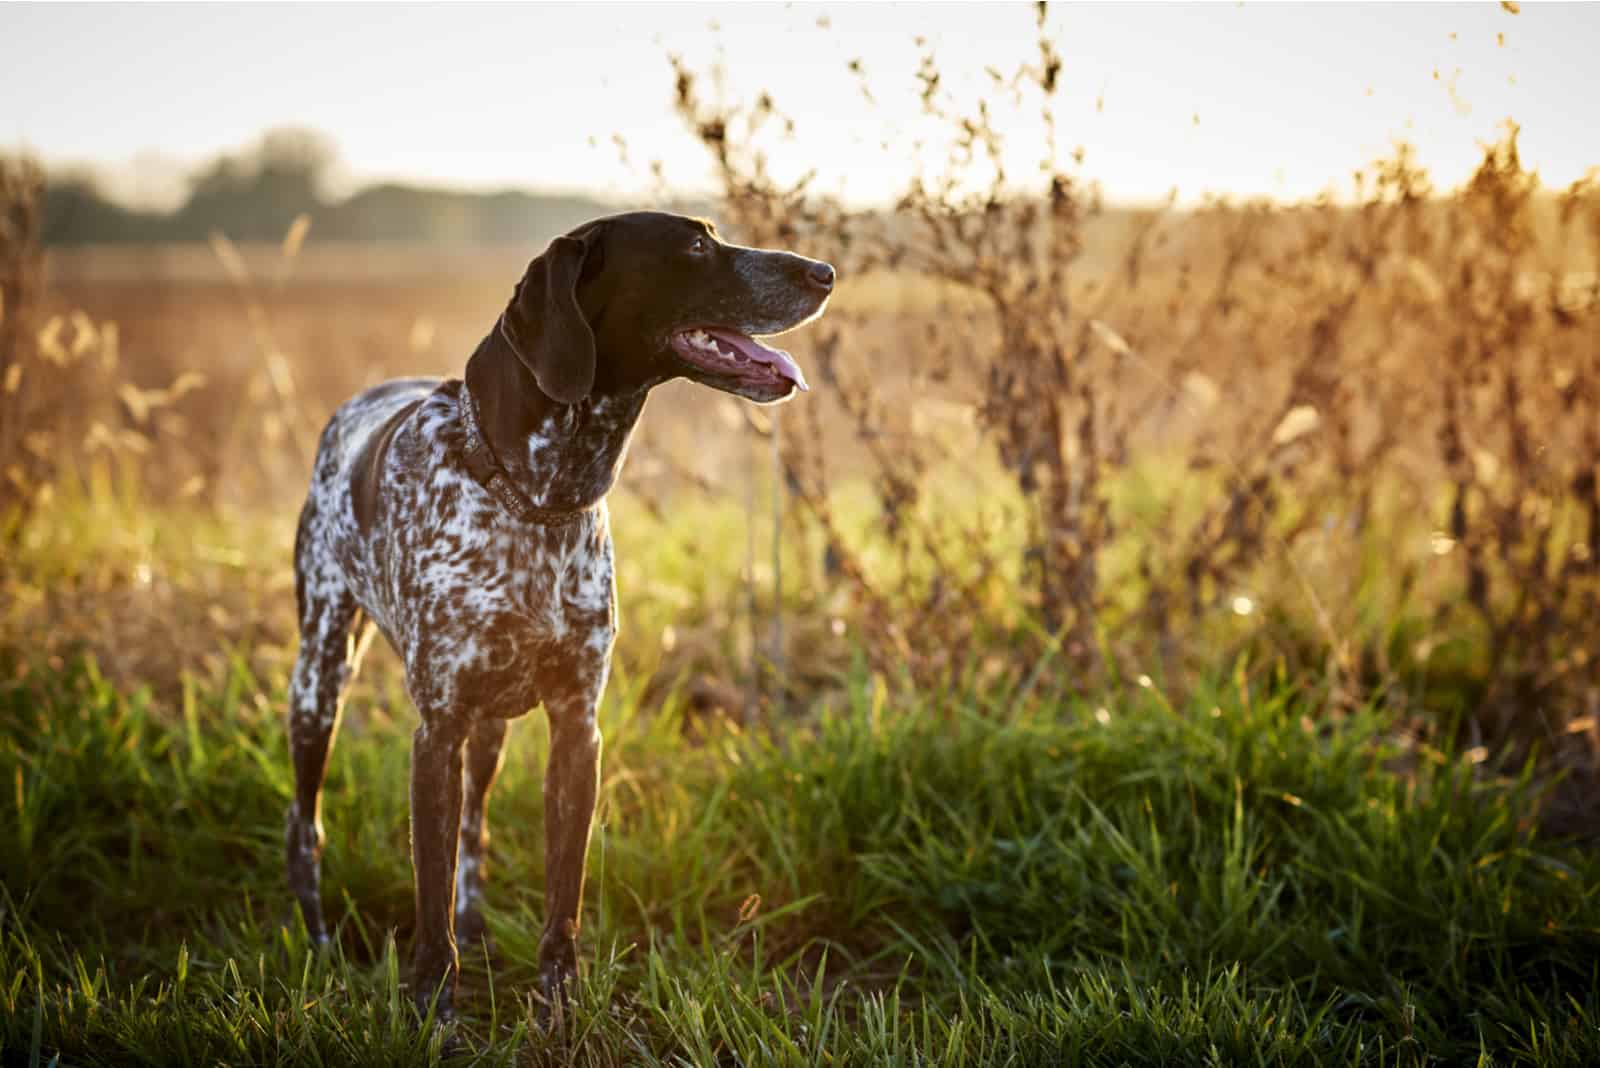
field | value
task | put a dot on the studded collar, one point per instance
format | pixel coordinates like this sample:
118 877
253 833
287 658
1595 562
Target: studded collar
486 470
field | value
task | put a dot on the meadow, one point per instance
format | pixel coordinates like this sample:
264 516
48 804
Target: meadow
1162 637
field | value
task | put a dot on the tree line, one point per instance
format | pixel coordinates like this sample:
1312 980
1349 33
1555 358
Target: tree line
256 194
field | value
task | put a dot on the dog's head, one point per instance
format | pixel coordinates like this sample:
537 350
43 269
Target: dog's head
632 300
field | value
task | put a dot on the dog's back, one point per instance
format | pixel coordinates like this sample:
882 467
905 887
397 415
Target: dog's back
355 422
341 499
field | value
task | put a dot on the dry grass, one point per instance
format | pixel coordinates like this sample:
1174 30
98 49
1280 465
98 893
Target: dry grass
1358 439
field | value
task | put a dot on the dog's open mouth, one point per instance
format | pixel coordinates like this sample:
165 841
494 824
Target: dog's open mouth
722 351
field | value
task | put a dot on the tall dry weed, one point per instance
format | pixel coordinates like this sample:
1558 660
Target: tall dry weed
1360 437
21 459
68 405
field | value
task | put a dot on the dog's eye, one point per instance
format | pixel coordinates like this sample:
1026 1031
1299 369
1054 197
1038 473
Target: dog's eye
700 246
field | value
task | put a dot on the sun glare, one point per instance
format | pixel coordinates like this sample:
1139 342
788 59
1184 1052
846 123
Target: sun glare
1277 100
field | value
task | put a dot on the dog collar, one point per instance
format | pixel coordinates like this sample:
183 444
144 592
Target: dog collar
484 467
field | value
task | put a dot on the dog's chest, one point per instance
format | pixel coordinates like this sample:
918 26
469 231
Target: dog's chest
485 608
470 565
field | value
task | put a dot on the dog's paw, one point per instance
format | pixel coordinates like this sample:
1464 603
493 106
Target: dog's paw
555 1006
443 1010
558 982
446 1027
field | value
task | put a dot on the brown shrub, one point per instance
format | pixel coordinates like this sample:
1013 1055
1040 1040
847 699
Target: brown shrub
1358 438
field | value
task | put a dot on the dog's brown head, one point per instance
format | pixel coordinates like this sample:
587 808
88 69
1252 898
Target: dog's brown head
632 300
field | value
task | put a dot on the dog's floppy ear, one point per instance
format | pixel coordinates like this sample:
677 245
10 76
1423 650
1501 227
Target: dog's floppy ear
546 328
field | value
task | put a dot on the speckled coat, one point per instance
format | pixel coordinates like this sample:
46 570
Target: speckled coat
492 613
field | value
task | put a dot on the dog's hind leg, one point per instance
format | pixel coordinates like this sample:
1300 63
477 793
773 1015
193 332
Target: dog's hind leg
331 644
485 748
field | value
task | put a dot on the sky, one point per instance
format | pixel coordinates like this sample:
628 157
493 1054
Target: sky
1284 100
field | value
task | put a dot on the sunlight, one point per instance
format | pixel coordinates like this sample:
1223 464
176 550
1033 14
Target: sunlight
1273 100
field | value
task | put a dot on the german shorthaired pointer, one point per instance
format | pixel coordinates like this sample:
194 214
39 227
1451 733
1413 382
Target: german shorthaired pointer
467 520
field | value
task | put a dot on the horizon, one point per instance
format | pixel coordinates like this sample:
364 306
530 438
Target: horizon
1285 101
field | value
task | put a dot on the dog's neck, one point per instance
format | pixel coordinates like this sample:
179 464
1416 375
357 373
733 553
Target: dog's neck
561 455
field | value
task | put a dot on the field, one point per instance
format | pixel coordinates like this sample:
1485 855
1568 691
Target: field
1161 638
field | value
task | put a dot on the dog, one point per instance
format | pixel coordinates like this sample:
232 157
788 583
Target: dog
466 520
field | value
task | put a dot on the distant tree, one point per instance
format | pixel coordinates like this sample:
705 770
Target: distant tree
77 212
257 194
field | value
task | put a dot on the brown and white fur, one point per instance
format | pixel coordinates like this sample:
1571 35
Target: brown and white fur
492 612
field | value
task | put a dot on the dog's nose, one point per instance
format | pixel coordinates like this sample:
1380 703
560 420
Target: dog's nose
820 275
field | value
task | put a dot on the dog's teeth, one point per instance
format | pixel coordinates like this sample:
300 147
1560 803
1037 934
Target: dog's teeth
709 344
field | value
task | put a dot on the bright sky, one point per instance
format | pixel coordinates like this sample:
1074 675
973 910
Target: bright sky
1244 98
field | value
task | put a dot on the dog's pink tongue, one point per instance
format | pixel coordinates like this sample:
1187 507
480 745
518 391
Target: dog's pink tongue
755 351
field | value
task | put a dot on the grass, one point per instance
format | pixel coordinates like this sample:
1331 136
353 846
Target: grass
964 877
990 873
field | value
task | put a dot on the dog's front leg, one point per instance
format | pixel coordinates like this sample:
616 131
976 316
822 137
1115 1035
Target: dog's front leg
435 831
571 781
